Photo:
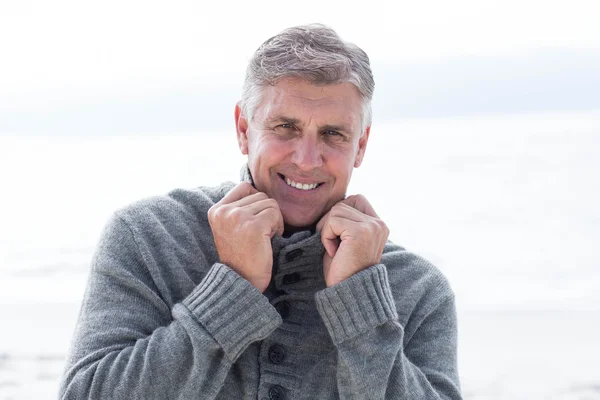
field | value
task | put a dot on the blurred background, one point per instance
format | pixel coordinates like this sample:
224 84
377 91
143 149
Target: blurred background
483 158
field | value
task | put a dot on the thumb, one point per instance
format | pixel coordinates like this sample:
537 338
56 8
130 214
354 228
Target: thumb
330 240
331 245
322 221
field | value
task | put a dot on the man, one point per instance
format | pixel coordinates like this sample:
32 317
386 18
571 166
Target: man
279 287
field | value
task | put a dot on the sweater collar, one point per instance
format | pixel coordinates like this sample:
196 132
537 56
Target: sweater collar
245 175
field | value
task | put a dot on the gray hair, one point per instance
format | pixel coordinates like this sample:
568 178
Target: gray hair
314 53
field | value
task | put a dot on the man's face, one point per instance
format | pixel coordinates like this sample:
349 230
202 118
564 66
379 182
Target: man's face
302 145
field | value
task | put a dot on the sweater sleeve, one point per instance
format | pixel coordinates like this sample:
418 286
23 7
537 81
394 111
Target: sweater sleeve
373 363
128 344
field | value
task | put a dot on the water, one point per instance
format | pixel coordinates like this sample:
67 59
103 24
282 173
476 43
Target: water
506 206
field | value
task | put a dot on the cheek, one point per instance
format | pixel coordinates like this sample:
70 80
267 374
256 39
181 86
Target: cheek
268 152
276 148
340 162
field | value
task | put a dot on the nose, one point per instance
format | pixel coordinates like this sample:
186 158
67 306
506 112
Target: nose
308 153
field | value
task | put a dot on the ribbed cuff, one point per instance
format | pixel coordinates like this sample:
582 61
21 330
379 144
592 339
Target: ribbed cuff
357 304
231 309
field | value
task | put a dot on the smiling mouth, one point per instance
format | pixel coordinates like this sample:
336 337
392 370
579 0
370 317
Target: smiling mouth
300 186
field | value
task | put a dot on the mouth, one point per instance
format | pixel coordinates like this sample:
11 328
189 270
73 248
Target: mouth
299 185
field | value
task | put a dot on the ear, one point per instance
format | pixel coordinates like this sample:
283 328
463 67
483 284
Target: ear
362 147
241 128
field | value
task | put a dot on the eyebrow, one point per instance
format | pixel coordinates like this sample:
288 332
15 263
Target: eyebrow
296 121
342 128
281 118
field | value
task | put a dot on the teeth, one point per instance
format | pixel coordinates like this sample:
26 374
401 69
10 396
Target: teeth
301 186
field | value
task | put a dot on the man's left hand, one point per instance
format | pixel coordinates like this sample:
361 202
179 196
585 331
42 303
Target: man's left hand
353 236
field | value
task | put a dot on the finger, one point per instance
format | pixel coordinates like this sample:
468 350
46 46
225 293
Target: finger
275 219
337 227
253 198
256 207
322 221
340 210
331 245
343 210
330 241
333 230
239 191
360 203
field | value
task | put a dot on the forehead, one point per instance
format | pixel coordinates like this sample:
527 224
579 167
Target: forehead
294 98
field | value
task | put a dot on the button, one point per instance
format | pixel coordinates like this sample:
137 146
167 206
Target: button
294 255
276 354
291 278
283 308
276 392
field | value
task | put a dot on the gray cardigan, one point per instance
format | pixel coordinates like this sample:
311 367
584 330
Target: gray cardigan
163 319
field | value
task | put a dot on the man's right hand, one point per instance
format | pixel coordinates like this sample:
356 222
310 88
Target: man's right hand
243 223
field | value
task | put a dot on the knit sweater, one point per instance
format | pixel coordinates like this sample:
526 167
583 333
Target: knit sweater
162 318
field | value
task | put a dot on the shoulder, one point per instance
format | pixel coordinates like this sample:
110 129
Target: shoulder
176 207
174 223
417 285
166 241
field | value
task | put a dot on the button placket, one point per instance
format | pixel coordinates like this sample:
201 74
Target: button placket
283 308
276 354
276 392
290 279
294 255
292 268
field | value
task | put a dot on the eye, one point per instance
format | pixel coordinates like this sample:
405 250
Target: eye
332 134
286 130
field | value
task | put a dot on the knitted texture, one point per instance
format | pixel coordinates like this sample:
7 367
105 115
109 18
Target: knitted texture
162 318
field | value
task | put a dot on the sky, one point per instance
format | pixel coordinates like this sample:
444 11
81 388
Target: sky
75 67
505 205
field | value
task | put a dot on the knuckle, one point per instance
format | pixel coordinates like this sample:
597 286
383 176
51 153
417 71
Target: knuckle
236 213
262 225
374 227
211 211
374 224
265 214
272 202
383 227
224 211
215 212
253 223
365 229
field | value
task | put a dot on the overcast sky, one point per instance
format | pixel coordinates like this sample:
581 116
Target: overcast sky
141 66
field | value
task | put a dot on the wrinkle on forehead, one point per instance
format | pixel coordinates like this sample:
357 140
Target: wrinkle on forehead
317 94
337 104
